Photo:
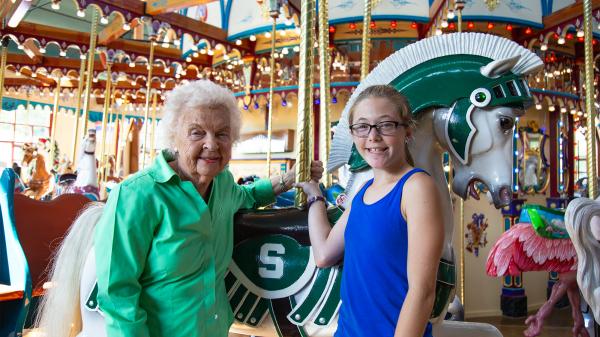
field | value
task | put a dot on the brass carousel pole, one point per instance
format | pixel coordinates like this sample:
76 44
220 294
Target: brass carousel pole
3 57
148 89
120 125
102 162
90 69
274 12
324 60
459 5
152 131
589 101
78 109
366 44
305 97
111 114
54 119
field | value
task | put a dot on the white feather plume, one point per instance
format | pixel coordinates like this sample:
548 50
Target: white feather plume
490 46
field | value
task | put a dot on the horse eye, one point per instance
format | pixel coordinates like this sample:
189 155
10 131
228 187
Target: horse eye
506 123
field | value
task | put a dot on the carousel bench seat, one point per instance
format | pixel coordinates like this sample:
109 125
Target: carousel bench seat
15 280
41 226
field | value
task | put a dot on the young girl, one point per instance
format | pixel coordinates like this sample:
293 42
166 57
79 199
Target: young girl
391 245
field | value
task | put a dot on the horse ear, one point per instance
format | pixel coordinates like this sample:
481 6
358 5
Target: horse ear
497 68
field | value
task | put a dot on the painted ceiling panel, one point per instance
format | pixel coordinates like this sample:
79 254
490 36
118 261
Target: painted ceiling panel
517 11
247 17
560 4
209 13
349 10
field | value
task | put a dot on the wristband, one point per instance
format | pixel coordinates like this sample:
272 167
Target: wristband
314 199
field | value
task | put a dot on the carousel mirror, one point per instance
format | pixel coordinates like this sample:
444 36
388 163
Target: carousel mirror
533 165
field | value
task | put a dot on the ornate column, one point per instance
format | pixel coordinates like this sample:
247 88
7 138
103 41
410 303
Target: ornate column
513 301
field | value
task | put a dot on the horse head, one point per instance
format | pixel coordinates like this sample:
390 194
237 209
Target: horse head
29 152
477 129
89 143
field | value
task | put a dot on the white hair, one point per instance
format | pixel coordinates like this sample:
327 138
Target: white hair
59 314
192 97
578 220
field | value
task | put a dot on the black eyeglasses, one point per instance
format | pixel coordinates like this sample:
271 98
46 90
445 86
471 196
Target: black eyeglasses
384 128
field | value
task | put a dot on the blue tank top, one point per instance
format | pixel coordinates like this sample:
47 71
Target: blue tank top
374 278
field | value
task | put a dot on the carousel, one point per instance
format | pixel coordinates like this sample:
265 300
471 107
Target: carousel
503 93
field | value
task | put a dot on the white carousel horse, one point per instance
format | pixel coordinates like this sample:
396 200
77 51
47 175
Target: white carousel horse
481 154
86 182
582 220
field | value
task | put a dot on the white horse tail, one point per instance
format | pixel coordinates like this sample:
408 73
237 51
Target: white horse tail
58 314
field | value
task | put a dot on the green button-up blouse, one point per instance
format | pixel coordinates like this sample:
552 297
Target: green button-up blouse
162 253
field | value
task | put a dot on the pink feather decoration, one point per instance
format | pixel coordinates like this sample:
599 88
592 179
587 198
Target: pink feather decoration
520 249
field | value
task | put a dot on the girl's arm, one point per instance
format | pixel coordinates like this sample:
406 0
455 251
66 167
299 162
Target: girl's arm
425 241
327 242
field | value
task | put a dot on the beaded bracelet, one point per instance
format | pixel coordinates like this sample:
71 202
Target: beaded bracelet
314 199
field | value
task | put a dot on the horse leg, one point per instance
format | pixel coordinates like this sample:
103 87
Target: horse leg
579 329
535 322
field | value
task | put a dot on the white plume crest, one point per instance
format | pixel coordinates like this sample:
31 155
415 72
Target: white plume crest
490 46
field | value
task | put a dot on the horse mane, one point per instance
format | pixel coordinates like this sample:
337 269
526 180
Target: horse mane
59 313
490 46
40 168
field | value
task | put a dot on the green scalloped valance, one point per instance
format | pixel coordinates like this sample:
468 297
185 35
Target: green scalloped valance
9 104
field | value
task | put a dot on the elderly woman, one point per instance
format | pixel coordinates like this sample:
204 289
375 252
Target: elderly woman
165 239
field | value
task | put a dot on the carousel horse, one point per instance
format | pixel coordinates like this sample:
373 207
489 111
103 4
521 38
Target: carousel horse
540 242
40 182
582 220
466 91
86 182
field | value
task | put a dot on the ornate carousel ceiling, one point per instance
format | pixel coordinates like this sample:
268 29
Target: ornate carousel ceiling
229 41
